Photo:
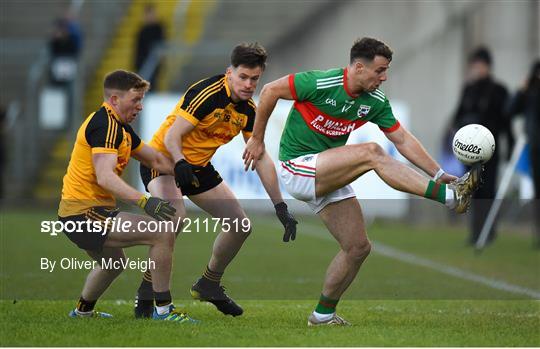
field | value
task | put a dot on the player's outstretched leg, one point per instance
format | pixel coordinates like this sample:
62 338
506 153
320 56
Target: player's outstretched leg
340 166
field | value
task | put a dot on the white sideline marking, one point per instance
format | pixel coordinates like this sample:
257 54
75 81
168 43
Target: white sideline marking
410 258
391 252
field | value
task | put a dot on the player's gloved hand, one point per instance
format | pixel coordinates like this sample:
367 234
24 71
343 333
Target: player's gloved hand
155 207
288 221
183 174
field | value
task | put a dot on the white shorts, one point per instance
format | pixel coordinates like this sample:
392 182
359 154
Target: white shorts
298 176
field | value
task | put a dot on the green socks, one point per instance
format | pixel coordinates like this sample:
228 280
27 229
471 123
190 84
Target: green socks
436 191
326 305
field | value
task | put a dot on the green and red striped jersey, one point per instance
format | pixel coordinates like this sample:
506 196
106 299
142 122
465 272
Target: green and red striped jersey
325 113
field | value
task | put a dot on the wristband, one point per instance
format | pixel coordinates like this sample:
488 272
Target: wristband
142 200
280 206
439 174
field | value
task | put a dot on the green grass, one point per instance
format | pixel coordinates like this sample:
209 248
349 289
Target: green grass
391 303
282 323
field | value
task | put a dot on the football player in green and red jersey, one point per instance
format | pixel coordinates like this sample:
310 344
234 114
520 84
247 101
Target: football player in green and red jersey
317 167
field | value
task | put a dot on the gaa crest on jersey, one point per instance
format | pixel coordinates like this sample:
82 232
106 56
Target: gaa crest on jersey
237 121
363 110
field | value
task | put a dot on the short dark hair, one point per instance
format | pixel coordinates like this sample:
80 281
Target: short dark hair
368 48
124 80
251 55
481 54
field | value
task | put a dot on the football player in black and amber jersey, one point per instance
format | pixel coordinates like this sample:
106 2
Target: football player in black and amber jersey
104 144
211 113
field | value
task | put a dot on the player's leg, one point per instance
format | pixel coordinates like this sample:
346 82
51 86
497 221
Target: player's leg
98 280
163 187
345 222
104 243
340 166
161 242
221 203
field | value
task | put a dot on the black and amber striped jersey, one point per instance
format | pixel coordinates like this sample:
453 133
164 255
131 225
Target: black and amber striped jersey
208 106
101 132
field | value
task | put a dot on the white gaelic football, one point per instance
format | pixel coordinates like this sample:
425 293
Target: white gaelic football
473 143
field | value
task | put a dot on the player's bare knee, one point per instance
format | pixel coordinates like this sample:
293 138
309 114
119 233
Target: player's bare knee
359 250
170 227
240 226
245 226
242 233
169 237
375 153
375 149
165 237
173 226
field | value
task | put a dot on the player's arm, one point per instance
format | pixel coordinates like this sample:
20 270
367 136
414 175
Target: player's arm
152 158
267 173
268 98
104 164
192 107
173 137
183 170
409 146
103 137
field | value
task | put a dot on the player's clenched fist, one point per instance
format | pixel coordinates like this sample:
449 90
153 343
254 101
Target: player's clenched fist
155 207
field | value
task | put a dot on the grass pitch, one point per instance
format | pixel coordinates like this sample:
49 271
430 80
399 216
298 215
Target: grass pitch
395 301
281 323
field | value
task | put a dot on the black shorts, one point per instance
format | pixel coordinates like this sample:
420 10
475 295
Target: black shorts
208 178
89 236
